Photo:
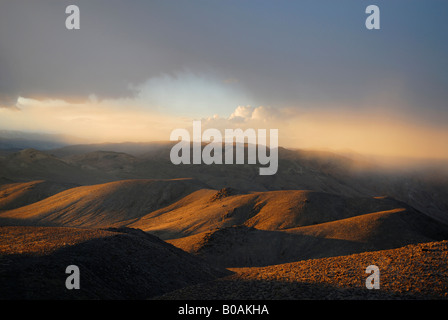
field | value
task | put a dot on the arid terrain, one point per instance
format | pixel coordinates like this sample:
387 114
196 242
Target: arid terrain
140 227
410 272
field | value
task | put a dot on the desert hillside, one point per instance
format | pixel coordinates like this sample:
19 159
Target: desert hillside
271 210
123 211
103 205
223 150
412 272
231 228
248 247
425 189
113 263
16 195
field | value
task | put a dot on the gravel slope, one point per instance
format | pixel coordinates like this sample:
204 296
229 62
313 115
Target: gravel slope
411 272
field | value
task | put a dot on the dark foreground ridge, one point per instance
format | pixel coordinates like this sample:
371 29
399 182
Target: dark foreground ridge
114 264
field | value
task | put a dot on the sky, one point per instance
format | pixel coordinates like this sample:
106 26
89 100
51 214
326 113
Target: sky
136 70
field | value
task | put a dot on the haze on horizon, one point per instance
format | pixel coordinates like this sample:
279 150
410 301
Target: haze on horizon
135 72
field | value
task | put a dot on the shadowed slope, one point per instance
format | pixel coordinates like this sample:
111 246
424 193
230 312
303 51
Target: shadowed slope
242 246
107 161
31 164
113 264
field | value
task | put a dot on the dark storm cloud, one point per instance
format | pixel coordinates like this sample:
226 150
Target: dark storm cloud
284 53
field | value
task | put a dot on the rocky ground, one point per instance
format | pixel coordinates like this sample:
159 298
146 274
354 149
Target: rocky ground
114 264
129 264
411 272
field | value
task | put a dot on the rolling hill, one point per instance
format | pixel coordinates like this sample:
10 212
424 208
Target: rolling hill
208 209
113 264
425 190
103 205
242 246
231 228
16 195
422 187
181 207
318 205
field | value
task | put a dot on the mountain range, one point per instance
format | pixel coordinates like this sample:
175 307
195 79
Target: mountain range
318 205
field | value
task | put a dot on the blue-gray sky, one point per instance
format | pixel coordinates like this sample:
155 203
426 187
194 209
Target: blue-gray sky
206 57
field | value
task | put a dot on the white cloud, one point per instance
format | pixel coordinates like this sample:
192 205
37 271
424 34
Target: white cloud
242 113
259 114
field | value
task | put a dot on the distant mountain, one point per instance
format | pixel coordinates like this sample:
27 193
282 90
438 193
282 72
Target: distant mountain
326 172
319 204
17 140
32 164
132 148
117 164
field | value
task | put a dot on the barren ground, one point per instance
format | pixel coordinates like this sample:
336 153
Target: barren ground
411 272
